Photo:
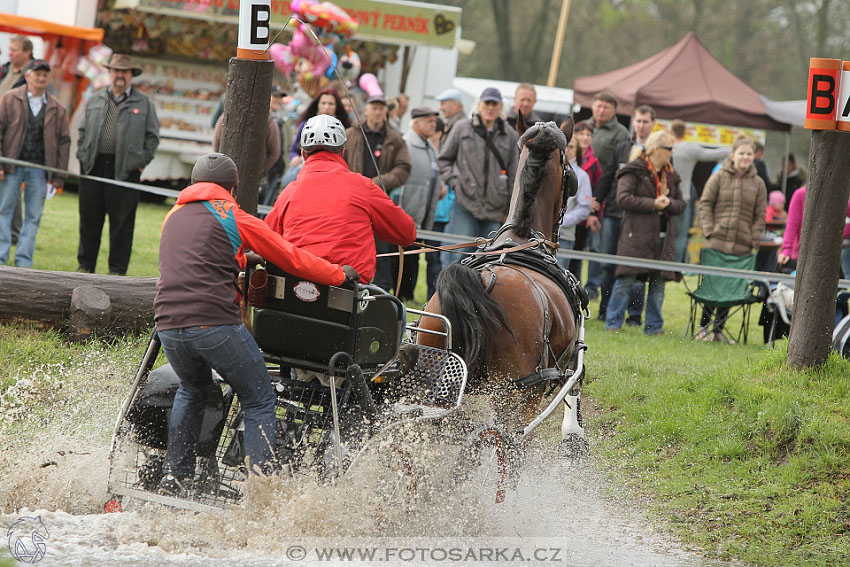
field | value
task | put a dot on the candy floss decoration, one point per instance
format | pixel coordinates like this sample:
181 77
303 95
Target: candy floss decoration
369 83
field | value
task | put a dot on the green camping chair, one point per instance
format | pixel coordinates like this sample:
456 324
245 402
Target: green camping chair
719 291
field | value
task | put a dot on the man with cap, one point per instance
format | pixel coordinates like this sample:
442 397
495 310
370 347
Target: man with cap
421 192
382 157
333 212
33 128
118 137
196 309
479 161
451 105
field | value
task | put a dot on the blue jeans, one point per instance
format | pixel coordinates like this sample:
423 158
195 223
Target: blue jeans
463 223
10 195
620 301
566 245
232 352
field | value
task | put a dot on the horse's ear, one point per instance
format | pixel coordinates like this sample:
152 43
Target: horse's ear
567 128
521 124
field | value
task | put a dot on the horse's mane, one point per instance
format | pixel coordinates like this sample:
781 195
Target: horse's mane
540 140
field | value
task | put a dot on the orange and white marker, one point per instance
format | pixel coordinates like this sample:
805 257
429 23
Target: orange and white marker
842 115
254 30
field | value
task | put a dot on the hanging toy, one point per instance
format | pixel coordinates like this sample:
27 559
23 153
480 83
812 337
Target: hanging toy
348 66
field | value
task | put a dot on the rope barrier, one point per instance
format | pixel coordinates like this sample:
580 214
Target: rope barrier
685 269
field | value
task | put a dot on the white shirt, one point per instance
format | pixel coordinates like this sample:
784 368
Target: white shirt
36 102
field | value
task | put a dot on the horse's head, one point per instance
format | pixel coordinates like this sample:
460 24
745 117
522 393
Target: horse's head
545 181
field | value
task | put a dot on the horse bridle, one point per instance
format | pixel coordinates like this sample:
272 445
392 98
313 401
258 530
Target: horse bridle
569 187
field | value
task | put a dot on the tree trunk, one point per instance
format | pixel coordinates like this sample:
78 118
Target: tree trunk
243 129
91 311
820 249
44 298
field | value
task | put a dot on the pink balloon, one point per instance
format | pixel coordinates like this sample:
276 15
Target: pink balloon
369 83
283 58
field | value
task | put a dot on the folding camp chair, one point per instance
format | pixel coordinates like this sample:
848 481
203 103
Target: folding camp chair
720 291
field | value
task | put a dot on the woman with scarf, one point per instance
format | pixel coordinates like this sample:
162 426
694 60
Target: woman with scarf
648 193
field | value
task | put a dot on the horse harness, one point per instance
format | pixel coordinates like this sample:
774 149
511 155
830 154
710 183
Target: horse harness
543 261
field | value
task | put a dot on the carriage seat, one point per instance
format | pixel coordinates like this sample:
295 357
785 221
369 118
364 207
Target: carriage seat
304 323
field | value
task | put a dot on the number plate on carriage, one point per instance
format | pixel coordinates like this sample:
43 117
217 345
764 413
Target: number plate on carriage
277 287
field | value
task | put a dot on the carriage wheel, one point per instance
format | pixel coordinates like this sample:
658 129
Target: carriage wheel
489 460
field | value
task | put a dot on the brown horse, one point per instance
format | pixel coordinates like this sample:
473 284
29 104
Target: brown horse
510 321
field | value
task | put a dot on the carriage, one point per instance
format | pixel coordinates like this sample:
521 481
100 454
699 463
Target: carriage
372 371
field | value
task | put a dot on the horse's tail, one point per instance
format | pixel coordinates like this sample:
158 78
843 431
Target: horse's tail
474 315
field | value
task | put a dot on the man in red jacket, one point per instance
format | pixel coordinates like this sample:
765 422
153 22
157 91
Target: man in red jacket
333 212
196 310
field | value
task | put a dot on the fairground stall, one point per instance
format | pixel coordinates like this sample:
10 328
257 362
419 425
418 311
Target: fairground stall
184 47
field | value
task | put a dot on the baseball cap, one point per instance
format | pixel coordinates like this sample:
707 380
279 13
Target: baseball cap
381 99
490 94
38 64
450 94
422 112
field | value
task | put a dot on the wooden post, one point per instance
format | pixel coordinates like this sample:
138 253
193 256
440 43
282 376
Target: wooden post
816 285
559 43
246 109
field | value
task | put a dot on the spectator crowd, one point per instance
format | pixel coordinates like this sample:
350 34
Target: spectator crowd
452 170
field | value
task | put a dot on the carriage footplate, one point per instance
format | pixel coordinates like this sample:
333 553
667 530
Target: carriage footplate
431 385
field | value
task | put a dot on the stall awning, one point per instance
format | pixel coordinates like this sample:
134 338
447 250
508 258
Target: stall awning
386 21
12 23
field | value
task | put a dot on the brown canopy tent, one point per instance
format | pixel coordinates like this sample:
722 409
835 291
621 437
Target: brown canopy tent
683 81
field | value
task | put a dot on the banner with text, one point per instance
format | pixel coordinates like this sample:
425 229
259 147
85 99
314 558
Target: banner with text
380 20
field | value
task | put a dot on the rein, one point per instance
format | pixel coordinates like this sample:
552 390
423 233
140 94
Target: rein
427 248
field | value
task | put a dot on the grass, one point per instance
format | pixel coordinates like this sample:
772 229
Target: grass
737 454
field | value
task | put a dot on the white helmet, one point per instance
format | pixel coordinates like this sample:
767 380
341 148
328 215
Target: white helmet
322 131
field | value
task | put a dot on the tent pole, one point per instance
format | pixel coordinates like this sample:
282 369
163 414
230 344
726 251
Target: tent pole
785 161
559 43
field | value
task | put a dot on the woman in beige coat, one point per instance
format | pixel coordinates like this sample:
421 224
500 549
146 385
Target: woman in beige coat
732 212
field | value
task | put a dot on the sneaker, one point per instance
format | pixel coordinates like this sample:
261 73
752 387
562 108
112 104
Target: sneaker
82 270
721 338
703 335
171 485
633 322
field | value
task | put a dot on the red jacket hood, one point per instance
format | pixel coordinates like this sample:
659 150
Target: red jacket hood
204 191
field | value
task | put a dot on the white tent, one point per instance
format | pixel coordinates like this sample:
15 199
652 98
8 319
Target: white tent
550 100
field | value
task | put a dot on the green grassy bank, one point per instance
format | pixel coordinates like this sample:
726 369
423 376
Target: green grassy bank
731 450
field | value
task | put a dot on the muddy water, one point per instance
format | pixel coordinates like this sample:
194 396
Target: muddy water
53 466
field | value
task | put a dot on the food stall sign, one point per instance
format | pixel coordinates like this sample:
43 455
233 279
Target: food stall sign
383 21
713 134
404 22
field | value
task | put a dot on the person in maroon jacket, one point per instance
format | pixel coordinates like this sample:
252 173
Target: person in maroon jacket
196 309
333 212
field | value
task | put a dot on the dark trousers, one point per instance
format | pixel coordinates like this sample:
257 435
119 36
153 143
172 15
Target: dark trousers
435 264
97 200
386 270
610 238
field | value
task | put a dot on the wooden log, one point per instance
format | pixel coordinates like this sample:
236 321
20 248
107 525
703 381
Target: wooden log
243 128
44 298
91 311
816 285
